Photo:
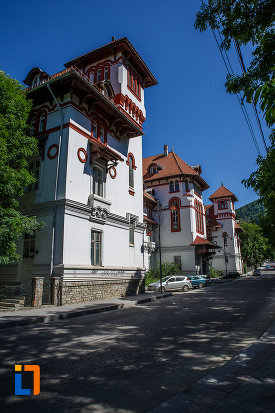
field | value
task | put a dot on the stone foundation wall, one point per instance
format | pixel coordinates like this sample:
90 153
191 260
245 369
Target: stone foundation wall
77 292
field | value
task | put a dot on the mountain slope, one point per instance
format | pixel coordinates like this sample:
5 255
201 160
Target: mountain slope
250 212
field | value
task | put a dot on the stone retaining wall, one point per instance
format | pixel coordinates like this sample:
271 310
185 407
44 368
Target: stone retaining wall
77 292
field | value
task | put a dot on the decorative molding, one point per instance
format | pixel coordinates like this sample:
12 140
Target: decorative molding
84 152
49 152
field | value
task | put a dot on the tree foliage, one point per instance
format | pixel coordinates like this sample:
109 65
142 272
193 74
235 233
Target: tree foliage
250 212
255 247
247 22
15 149
251 22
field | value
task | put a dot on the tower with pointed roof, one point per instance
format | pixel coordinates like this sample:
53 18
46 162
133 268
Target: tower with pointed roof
88 120
223 230
178 188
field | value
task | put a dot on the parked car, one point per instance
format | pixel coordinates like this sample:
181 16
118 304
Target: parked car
257 272
197 281
232 275
267 266
207 278
171 283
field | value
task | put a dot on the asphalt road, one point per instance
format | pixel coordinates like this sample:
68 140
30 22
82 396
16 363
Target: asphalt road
132 359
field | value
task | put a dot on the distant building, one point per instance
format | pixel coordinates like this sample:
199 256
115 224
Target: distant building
223 230
178 188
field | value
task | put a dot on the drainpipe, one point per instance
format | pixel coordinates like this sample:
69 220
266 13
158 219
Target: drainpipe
56 178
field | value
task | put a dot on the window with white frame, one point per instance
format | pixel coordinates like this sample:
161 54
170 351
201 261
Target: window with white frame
94 129
42 123
34 169
32 126
97 181
96 247
131 172
106 73
132 231
102 134
98 75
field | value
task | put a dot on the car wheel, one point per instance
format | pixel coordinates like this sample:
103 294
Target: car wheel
162 290
200 285
185 288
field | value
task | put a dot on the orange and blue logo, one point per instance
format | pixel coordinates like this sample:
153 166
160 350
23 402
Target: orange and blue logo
18 380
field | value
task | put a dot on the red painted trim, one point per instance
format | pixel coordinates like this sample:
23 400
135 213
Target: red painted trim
112 174
82 150
131 192
130 155
49 151
131 90
177 200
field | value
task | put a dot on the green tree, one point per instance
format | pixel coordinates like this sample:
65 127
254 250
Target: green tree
251 22
15 149
255 248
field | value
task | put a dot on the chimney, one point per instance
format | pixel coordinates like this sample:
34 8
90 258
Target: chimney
165 150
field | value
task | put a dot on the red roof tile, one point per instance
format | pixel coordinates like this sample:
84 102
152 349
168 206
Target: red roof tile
238 227
223 192
200 241
149 196
171 165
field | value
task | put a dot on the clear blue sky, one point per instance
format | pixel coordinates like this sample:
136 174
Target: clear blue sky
188 109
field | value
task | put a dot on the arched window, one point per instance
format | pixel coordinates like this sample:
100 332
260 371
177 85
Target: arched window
42 123
94 129
36 80
97 181
131 172
98 75
32 126
174 206
177 186
106 73
171 186
91 77
102 133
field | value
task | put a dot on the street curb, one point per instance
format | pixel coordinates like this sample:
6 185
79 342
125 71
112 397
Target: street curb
78 313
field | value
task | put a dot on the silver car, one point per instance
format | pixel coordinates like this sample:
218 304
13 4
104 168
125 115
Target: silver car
171 283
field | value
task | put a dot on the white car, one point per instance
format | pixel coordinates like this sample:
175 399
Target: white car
171 283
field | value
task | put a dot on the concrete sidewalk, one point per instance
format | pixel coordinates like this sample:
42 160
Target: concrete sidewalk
246 383
50 313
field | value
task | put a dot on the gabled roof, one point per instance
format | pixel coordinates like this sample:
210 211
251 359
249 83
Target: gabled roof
223 192
130 53
172 165
32 73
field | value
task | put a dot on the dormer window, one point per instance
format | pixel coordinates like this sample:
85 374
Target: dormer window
42 123
153 169
36 80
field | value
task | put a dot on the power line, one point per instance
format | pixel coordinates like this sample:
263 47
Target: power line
239 100
240 57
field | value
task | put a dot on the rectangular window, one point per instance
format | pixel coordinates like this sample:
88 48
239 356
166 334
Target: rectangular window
96 248
34 168
177 260
97 181
132 232
29 246
222 204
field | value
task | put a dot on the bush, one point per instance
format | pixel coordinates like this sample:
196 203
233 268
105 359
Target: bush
167 269
214 273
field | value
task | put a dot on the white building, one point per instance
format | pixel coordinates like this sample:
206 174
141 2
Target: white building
88 122
223 230
178 187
